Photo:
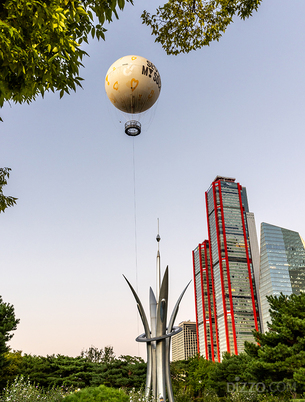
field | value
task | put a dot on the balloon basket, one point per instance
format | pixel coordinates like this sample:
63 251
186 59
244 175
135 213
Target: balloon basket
132 128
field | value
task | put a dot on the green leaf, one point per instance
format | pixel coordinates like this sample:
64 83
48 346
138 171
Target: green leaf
121 4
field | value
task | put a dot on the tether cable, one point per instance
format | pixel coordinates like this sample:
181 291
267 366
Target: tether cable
135 226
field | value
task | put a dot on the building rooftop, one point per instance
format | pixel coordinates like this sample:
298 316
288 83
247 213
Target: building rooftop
187 322
222 178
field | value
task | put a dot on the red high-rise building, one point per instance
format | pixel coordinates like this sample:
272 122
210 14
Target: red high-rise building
207 335
230 273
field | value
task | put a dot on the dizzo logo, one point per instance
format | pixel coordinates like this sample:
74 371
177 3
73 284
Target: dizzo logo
259 387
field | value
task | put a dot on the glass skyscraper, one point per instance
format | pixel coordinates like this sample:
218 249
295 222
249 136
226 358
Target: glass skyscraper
282 265
233 252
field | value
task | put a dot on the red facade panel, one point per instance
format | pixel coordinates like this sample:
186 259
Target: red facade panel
203 305
196 310
208 281
212 279
228 269
220 266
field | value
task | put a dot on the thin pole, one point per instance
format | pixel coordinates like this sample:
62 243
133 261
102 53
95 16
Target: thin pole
158 238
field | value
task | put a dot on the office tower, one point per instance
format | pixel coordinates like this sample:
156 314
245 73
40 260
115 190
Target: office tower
184 344
282 267
207 340
233 256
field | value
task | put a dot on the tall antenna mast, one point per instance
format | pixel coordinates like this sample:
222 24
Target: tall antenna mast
158 238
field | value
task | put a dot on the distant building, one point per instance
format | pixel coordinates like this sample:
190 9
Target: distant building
227 310
207 336
282 265
184 344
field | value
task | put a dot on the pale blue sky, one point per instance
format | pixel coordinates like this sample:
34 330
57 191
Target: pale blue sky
235 108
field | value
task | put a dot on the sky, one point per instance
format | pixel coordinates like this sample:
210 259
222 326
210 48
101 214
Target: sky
89 196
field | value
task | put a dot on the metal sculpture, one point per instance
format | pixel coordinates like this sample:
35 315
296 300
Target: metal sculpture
158 337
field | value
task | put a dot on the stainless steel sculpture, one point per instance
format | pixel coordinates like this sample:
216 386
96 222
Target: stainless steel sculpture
158 337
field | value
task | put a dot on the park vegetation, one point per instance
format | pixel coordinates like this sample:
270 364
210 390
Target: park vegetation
181 26
40 44
41 40
270 369
5 201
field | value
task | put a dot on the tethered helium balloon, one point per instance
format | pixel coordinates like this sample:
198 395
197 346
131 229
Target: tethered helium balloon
133 85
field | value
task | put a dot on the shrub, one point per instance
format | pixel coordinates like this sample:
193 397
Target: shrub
22 390
97 394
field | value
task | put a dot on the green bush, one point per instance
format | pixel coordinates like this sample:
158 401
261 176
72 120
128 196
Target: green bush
97 394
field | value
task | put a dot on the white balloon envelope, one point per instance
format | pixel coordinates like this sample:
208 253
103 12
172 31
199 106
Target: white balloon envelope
133 85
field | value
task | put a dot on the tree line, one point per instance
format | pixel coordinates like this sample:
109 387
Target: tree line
273 365
92 367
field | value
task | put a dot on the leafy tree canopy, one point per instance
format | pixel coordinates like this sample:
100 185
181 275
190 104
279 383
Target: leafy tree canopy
8 323
57 370
280 352
40 43
123 372
232 369
5 201
184 25
191 378
96 355
14 359
89 370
